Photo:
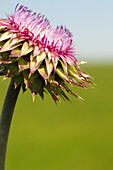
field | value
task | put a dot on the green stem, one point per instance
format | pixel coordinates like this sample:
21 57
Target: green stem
5 120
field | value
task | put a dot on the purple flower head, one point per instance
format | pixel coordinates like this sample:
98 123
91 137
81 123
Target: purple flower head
38 56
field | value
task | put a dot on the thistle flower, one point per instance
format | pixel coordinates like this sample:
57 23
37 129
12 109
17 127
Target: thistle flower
38 56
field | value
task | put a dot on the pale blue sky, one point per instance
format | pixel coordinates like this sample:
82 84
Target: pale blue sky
90 21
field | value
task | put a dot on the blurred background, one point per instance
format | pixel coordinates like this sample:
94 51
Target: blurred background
76 135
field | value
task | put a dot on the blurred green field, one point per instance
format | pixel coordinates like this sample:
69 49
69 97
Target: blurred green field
69 136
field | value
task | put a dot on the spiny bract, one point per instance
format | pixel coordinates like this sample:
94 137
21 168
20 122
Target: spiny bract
37 56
